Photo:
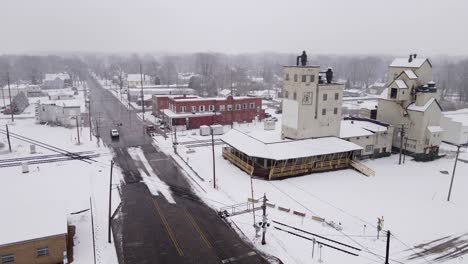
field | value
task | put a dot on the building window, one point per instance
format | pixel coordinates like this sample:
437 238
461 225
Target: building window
229 107
325 97
304 78
384 150
294 96
312 78
337 96
10 258
40 252
211 108
238 107
252 105
393 93
335 111
194 109
244 106
286 94
369 148
295 77
287 77
324 111
182 109
201 108
221 108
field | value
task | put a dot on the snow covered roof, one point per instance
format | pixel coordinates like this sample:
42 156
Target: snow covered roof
135 77
53 76
162 91
404 63
29 219
401 84
411 74
359 128
171 114
378 85
414 107
162 86
200 99
460 116
63 103
384 94
224 92
435 129
286 149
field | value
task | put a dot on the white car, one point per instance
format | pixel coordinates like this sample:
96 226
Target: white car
114 133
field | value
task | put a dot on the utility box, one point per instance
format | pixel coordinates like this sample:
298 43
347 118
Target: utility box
217 129
204 130
269 124
32 149
25 167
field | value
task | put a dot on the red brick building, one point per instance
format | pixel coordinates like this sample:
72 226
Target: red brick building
195 112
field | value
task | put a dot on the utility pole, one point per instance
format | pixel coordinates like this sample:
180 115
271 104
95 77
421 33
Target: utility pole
402 135
212 150
89 120
78 130
232 104
264 223
110 203
8 137
142 98
404 153
9 94
388 247
3 96
453 174
92 229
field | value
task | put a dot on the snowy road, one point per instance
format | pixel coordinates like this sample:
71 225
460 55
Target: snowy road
161 219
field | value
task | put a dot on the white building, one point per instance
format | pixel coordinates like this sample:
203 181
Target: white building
134 80
30 90
59 112
56 81
410 100
311 104
373 136
455 126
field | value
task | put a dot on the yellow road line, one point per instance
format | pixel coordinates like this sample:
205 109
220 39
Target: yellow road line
194 223
168 228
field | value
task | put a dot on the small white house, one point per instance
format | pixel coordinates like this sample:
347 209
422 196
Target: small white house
455 126
59 112
373 136
56 81
135 80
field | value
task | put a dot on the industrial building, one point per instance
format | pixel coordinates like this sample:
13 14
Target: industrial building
410 104
309 138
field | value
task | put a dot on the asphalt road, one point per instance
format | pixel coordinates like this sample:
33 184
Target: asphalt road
149 229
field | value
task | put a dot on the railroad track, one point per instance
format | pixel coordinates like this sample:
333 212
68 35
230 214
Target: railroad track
38 157
48 160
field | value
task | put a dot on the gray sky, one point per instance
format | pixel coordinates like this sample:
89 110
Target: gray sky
427 27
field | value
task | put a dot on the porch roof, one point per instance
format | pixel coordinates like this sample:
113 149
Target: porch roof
287 149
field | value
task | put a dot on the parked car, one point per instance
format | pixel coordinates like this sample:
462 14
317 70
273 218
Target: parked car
279 111
267 115
114 133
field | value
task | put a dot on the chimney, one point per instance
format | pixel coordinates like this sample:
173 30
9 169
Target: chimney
415 55
410 58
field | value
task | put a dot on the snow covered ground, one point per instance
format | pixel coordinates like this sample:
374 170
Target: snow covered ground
73 184
412 199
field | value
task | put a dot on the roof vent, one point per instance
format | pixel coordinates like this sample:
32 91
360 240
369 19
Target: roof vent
415 55
410 58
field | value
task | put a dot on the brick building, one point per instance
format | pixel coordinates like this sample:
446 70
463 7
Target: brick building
195 112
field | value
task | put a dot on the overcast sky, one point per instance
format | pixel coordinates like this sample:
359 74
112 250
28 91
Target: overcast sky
427 27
